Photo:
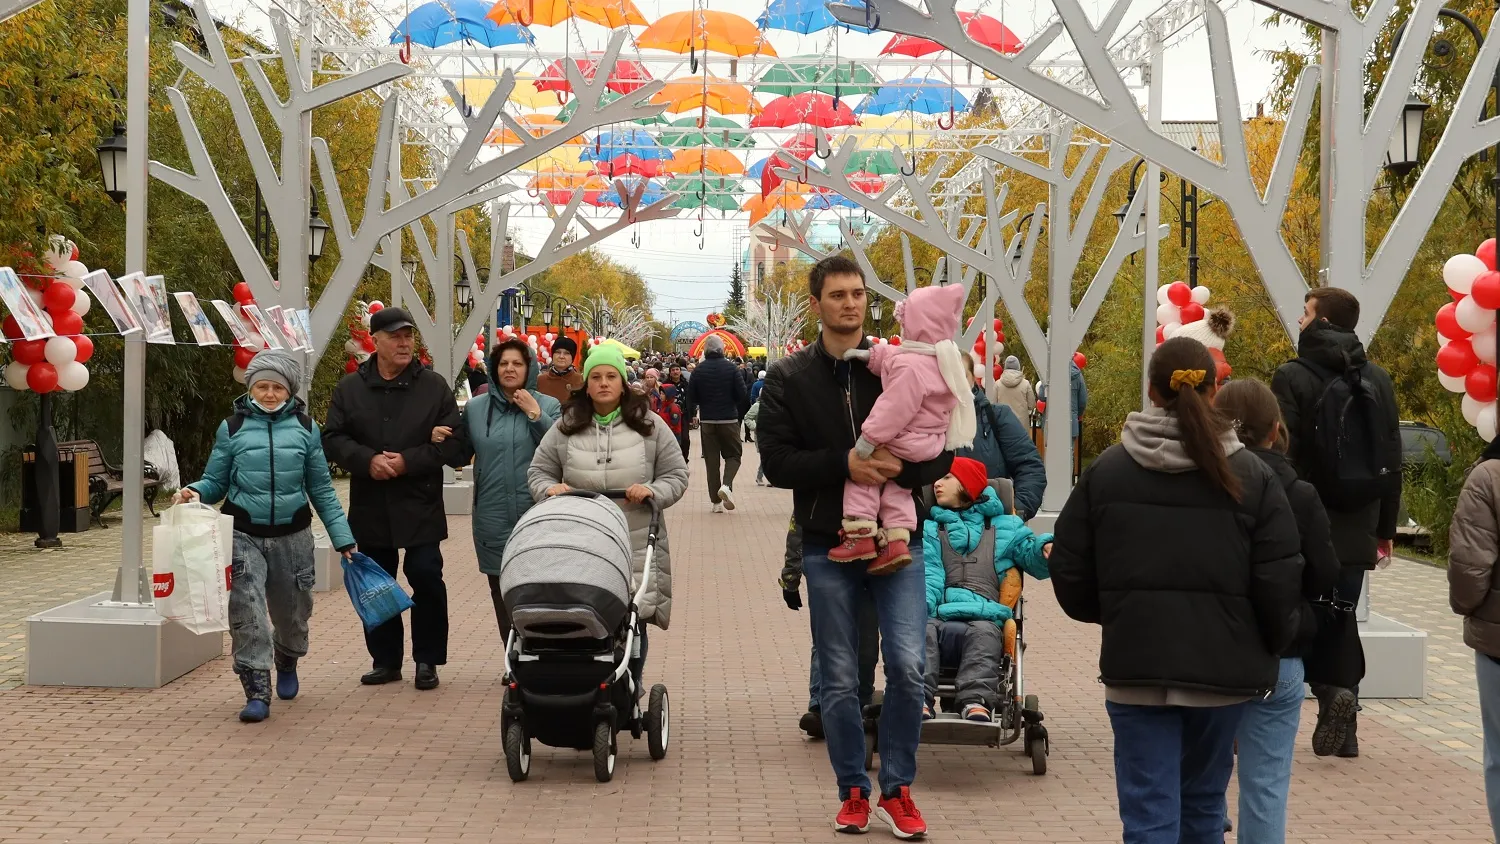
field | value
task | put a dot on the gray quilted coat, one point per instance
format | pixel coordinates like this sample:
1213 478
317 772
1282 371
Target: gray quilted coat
615 456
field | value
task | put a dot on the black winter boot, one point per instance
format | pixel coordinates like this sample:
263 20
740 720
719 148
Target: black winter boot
257 696
812 723
1336 708
1350 748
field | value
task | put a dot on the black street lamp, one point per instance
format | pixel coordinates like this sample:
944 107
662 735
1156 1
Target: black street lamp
1405 151
877 310
409 269
1187 216
464 294
111 153
317 231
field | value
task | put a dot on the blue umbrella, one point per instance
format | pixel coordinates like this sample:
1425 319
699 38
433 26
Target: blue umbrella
636 142
437 24
652 194
926 96
826 201
758 169
804 16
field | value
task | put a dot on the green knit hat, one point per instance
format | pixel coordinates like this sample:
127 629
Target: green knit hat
606 354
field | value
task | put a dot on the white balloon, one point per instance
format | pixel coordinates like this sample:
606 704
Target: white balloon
75 283
1168 313
1170 330
1484 344
1471 317
57 260
1460 271
352 347
60 351
1486 422
1470 407
73 376
81 302
1201 294
75 269
15 375
366 320
1452 383
36 296
239 374
1161 295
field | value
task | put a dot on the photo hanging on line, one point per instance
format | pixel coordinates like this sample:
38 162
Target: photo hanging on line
140 297
277 316
203 330
103 287
262 325
29 315
237 326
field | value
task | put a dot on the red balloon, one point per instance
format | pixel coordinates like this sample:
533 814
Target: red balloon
42 377
1480 382
1447 322
1179 294
1161 335
242 357
1457 359
1191 312
29 352
895 339
243 295
1486 253
1079 359
67 323
998 324
998 370
1000 336
1041 407
58 297
1486 291
351 365
85 348
376 307
11 329
368 343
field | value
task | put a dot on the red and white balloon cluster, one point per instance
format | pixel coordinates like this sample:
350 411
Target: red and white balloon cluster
795 346
255 343
55 364
541 345
1178 305
980 354
1466 335
360 344
893 340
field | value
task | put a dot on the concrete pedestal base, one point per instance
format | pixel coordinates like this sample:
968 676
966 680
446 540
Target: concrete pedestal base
86 643
330 576
458 498
1395 659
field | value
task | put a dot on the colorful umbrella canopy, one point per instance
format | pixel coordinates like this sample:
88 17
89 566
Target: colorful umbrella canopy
566 112
554 178
926 96
804 16
711 199
732 344
814 73
560 158
720 132
707 32
637 142
982 28
437 24
876 162
688 161
762 170
761 206
536 125
805 144
650 194
610 13
812 109
826 201
628 165
627 76
714 191
867 183
692 93
592 188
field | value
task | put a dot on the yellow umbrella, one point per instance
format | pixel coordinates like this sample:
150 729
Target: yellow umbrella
691 93
625 351
610 13
712 160
535 124
704 31
562 158
525 94
761 206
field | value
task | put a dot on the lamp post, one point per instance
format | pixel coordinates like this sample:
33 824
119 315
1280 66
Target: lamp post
317 231
464 294
877 310
1187 216
112 151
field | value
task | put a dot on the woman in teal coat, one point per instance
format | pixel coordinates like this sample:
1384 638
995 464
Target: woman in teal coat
500 432
268 468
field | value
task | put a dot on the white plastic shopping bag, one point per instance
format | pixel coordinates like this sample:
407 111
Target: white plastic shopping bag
192 555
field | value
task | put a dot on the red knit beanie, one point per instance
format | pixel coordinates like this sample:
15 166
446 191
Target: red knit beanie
970 473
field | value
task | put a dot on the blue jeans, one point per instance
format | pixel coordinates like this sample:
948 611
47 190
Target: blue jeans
1266 737
1172 767
833 592
1487 673
869 655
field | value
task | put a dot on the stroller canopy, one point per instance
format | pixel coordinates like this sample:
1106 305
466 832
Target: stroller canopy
566 571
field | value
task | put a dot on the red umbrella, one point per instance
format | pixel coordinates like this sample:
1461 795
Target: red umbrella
627 165
812 108
628 76
868 183
804 145
982 28
770 179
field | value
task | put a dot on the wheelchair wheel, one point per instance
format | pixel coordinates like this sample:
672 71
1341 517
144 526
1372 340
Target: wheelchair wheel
604 751
1036 748
517 753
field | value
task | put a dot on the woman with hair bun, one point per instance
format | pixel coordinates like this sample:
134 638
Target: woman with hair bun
1183 546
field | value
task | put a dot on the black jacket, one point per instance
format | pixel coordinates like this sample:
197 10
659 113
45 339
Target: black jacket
369 415
811 409
715 392
1194 590
1320 563
1297 390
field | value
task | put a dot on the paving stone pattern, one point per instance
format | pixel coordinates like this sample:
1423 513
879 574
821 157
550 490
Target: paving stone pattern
344 763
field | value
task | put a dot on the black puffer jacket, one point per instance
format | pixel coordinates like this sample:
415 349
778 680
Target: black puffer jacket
1298 389
810 410
716 393
1320 569
1194 590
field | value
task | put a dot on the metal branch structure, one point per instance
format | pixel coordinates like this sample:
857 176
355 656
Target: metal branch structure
625 323
771 322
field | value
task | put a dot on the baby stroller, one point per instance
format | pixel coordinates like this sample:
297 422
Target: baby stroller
1016 716
572 661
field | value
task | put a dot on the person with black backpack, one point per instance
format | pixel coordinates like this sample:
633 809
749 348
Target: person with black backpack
1345 439
1004 446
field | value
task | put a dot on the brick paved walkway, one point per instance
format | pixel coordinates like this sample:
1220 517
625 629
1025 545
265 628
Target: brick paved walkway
346 763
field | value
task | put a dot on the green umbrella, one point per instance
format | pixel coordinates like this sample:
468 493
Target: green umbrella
729 134
815 73
566 113
718 192
877 161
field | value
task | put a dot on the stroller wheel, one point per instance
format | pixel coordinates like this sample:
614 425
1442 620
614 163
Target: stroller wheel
658 722
1036 748
517 753
604 751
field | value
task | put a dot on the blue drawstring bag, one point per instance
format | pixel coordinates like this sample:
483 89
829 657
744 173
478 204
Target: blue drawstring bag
377 596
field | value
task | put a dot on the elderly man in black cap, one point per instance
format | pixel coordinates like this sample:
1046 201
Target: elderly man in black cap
379 428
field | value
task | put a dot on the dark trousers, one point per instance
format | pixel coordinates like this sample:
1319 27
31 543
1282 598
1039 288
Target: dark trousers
1172 766
685 439
721 441
1350 584
502 618
429 612
979 656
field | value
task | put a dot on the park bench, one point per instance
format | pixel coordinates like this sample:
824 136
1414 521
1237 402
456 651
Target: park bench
106 482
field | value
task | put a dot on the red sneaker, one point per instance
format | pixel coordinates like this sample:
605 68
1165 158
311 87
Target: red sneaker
854 549
894 557
854 814
900 813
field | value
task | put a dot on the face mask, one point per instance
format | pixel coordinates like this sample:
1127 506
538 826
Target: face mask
267 409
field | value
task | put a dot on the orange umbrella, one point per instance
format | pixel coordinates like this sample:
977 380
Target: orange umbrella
704 31
555 178
536 125
610 13
712 160
691 93
761 206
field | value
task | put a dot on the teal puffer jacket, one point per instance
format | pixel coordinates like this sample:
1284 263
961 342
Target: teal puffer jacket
267 467
503 441
1015 545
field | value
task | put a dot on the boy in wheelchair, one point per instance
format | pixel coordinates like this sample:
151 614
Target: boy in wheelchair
974 554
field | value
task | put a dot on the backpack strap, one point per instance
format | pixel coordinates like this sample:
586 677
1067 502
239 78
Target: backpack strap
307 423
235 423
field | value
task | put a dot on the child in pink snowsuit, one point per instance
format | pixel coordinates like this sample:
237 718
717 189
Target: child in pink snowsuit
925 408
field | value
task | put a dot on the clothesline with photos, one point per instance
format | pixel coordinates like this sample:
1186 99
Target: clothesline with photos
139 303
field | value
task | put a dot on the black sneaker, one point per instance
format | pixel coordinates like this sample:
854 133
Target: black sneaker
812 724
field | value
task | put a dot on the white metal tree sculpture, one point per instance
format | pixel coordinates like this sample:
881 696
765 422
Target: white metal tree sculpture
771 322
626 323
287 192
